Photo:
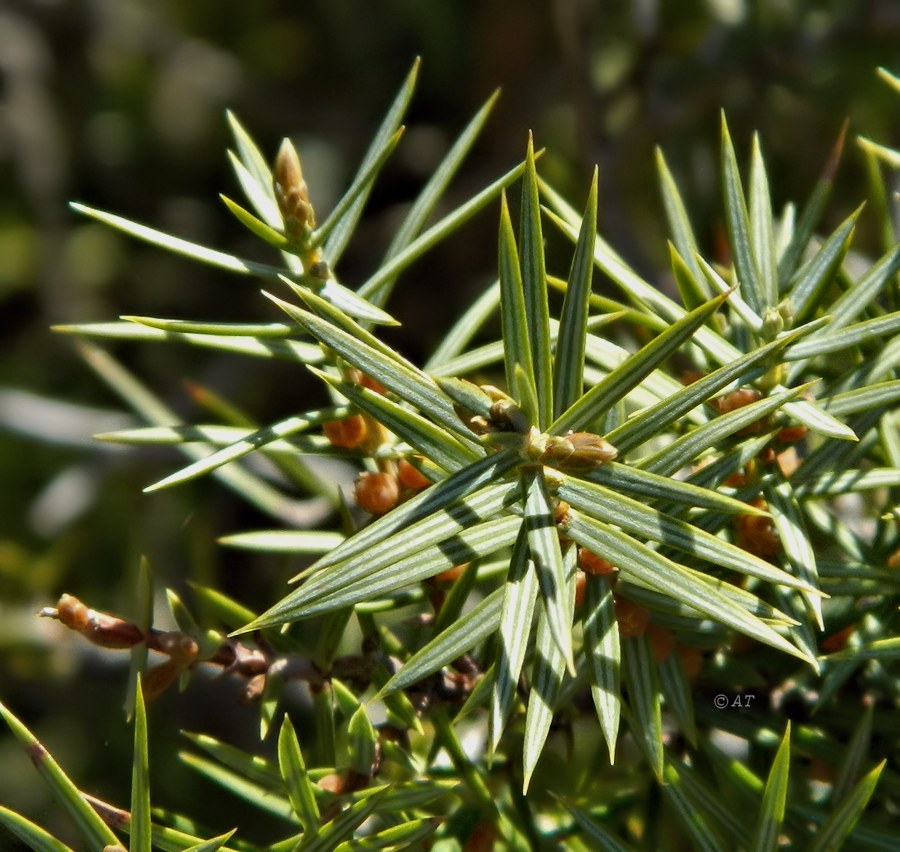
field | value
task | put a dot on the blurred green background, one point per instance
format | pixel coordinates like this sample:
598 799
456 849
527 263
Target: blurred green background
120 104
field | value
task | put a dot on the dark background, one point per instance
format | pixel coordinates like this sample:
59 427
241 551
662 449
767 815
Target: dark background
120 104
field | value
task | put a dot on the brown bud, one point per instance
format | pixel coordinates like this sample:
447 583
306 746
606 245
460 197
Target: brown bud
506 416
372 384
691 660
631 618
291 191
410 477
72 612
737 399
105 631
377 493
788 461
590 563
757 534
792 434
178 646
837 641
157 680
254 689
576 451
347 433
451 575
688 377
580 583
561 512
335 783
662 642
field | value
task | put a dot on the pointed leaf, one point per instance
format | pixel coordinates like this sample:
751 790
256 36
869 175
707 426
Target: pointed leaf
139 832
546 678
258 173
639 674
221 259
743 255
843 482
296 778
854 756
695 819
552 570
465 633
637 561
650 298
513 314
806 287
212 845
651 486
93 830
355 196
32 835
361 742
845 814
534 288
428 503
254 225
388 272
651 421
596 832
260 195
880 649
251 487
882 395
635 517
692 281
704 798
852 303
684 450
264 798
603 655
476 541
251 443
258 345
818 420
867 332
344 824
273 330
409 383
143 607
678 694
749 315
679 223
285 541
433 442
517 616
260 771
458 338
406 835
568 365
434 189
771 813
762 228
434 529
343 229
625 377
798 548
812 212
